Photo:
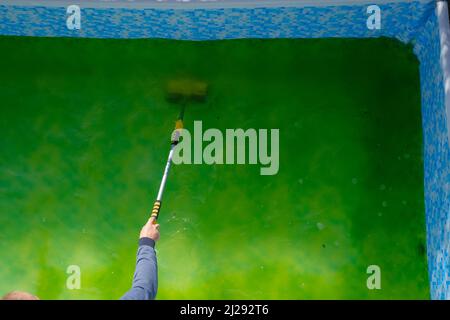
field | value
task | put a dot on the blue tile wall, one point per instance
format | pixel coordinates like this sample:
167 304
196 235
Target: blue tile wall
436 159
400 20
407 21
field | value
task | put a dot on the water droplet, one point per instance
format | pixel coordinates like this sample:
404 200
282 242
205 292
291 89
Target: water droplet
380 214
406 155
320 226
354 181
404 202
300 181
382 187
384 204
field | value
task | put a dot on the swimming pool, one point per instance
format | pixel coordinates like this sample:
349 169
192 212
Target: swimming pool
345 213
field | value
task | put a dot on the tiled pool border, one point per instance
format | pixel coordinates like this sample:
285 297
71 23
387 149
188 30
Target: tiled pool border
410 22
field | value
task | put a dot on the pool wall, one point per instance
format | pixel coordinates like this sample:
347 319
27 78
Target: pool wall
414 22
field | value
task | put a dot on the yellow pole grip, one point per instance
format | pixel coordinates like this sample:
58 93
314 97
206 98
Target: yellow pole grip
179 124
155 210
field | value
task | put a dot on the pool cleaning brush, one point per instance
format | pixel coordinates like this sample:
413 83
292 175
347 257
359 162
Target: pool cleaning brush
181 92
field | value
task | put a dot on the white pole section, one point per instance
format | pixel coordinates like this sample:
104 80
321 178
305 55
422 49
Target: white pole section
444 35
166 173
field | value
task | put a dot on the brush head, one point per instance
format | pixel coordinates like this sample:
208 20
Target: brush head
184 90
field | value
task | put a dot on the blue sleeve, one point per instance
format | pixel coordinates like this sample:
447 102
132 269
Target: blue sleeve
145 280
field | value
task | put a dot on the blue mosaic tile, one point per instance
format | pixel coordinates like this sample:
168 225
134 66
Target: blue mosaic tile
436 158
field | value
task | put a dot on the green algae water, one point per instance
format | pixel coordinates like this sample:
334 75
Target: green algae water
85 131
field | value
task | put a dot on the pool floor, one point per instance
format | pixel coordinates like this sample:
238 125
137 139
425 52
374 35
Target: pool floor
84 138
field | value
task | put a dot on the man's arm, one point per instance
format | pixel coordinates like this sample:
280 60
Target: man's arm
145 280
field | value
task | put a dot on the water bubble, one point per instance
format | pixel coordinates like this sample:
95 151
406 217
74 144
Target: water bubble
300 181
320 226
382 187
406 155
354 181
380 214
384 203
404 202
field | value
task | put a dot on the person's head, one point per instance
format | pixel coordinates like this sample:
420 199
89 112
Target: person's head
19 295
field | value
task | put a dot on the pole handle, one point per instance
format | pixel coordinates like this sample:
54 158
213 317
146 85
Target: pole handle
155 210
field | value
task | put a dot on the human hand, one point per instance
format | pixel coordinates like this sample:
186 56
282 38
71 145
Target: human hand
150 230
